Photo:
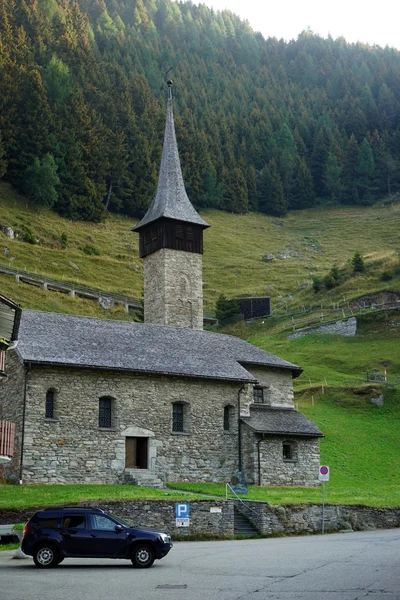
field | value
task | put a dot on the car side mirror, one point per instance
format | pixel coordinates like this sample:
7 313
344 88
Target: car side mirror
119 528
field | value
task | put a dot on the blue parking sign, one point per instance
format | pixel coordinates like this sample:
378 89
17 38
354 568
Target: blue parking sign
182 510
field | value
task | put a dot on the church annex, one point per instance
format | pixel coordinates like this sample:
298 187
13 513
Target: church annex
101 401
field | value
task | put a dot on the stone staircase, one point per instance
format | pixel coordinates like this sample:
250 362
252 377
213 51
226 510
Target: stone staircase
242 525
142 477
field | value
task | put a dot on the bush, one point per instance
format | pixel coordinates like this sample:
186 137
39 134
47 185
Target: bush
317 283
28 236
64 240
329 282
386 276
91 250
358 263
226 310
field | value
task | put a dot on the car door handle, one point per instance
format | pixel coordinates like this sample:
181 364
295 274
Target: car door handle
93 535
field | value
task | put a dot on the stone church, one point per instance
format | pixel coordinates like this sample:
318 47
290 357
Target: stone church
101 401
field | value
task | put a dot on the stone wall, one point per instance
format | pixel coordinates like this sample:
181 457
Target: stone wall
265 460
173 289
277 384
307 519
347 327
72 448
11 406
268 520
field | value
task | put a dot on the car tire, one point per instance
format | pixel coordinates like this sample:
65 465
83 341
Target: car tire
46 556
142 556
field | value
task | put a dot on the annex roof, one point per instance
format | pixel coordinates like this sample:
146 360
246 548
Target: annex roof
57 339
284 421
171 200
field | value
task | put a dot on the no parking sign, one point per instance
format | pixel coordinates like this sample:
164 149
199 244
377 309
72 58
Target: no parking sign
323 474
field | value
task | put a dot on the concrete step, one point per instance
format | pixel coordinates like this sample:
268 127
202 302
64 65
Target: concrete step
242 525
142 477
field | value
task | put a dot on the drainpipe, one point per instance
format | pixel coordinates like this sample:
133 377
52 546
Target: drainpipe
21 464
259 459
239 429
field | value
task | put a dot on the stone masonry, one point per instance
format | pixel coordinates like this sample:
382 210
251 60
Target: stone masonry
173 289
72 448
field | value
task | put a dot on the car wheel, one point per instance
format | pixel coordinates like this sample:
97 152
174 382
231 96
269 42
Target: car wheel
46 556
142 556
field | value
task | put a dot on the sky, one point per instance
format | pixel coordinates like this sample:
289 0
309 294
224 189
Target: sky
356 20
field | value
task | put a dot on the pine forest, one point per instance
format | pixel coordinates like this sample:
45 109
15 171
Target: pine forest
262 124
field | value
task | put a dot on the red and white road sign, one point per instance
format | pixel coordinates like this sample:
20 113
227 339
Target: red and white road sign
323 474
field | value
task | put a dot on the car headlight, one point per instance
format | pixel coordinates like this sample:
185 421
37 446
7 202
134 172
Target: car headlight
165 538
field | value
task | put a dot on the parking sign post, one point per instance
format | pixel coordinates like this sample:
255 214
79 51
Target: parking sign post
323 475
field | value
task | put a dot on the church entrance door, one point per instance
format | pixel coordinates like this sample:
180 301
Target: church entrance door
136 452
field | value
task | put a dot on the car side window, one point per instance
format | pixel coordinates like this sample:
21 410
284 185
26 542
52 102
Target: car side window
102 522
74 521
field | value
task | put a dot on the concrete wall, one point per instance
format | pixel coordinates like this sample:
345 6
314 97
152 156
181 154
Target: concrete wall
173 289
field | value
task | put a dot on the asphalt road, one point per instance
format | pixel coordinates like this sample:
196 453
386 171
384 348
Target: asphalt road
347 566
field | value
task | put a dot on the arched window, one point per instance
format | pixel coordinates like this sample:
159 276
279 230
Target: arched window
105 412
180 417
228 416
50 410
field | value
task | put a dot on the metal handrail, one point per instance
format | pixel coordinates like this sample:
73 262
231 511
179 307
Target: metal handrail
240 499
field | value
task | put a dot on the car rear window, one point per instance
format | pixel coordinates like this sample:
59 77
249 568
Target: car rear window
74 521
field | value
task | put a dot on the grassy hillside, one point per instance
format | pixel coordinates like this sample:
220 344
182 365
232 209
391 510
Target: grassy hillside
362 439
106 254
360 446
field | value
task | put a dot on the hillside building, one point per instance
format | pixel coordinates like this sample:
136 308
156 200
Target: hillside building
100 401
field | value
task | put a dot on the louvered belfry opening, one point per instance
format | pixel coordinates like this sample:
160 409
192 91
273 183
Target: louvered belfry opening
176 235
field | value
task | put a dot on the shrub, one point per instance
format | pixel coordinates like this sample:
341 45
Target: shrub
317 283
28 236
225 309
329 282
64 240
358 263
386 276
91 250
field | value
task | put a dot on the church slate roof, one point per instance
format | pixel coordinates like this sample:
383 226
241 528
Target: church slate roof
280 421
68 340
171 200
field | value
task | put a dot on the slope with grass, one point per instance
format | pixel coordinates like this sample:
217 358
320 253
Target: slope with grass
106 254
362 440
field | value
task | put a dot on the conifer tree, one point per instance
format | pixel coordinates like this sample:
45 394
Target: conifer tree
272 199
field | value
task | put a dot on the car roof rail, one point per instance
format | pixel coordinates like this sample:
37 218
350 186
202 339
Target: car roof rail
93 508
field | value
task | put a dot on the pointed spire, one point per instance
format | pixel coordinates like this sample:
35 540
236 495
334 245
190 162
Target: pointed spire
171 200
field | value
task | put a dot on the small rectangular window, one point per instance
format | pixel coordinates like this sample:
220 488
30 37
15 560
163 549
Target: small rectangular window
49 404
258 394
289 451
227 418
105 412
177 417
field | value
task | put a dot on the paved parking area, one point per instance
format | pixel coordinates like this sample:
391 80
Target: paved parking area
349 566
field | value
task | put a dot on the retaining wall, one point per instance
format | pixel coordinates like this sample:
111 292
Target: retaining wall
216 518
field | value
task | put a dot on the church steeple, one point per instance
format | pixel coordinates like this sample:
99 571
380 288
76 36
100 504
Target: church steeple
171 244
171 200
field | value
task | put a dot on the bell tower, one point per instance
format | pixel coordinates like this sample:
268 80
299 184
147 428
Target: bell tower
171 244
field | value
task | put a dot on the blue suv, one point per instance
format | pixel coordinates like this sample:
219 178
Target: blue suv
75 532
